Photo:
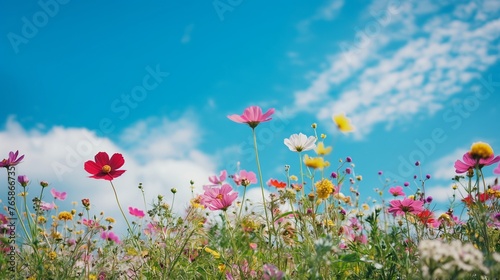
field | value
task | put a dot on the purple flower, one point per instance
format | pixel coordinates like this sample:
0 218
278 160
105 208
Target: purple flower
23 180
58 195
429 199
348 170
12 160
333 175
271 272
348 159
428 176
110 236
380 173
417 163
406 184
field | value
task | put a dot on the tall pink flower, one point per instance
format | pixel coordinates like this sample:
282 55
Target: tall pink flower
58 195
252 116
397 191
12 160
470 163
110 236
245 178
401 207
136 212
218 198
218 180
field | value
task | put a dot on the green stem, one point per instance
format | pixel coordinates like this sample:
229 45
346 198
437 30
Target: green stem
121 210
301 174
261 181
242 202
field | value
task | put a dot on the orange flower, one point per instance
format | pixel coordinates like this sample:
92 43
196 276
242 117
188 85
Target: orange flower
277 184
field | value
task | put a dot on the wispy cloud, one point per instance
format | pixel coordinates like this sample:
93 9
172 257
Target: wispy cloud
381 79
186 37
327 12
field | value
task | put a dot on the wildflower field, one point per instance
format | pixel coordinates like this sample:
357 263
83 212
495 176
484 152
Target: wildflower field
313 225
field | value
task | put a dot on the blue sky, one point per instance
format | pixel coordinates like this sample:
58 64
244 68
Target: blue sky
155 81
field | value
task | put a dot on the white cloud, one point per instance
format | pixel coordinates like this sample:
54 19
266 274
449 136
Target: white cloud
186 37
57 155
327 12
442 194
375 82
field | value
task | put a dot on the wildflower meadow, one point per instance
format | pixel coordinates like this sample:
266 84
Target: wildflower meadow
308 224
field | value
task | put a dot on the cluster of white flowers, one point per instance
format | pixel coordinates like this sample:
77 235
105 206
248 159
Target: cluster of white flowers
450 260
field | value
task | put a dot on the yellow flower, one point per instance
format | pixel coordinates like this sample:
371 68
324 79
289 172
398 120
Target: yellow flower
214 253
110 220
222 267
324 188
316 163
343 123
323 136
41 220
56 235
23 194
52 255
481 150
65 216
92 277
196 202
321 150
293 178
454 187
365 207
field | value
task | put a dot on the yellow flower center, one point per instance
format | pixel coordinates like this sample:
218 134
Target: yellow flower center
106 169
219 196
481 150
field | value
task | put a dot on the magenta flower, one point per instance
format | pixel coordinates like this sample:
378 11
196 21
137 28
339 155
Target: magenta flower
397 191
471 163
245 178
13 160
105 168
47 206
218 198
252 116
23 180
401 207
90 223
270 271
58 195
218 180
497 170
136 212
110 236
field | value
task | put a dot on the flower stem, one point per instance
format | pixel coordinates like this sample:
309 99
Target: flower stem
242 202
301 174
121 210
261 181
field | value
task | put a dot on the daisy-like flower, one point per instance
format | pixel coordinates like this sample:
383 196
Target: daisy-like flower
321 150
315 162
110 236
218 198
65 216
397 191
300 142
105 168
324 188
277 184
12 160
47 206
58 195
136 212
252 116
469 162
343 123
245 178
406 205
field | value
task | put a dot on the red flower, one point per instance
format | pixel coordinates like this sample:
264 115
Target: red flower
276 183
105 168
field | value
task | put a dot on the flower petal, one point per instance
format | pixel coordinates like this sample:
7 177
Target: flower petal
116 161
102 158
92 167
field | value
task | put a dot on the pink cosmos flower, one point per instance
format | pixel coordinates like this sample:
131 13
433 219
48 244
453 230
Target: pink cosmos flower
218 198
47 206
470 162
252 116
401 207
105 168
90 223
397 191
497 170
12 160
58 195
110 236
136 212
269 271
245 178
218 180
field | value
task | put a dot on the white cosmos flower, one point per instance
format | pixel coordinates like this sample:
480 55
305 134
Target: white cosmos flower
300 142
